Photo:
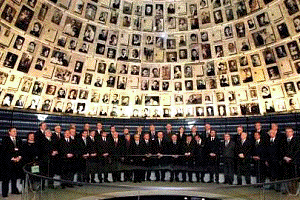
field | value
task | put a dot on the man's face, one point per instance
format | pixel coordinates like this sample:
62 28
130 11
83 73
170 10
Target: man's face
13 132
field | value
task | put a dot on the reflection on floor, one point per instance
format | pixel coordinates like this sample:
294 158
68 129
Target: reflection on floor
121 189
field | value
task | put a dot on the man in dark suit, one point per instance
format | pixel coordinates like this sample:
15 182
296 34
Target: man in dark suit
83 149
99 130
169 132
49 156
152 131
228 154
12 161
67 153
291 154
128 174
93 161
263 133
160 147
290 149
258 156
273 157
187 161
206 133
56 137
181 136
175 151
117 150
243 153
137 149
147 150
213 154
40 133
200 157
104 152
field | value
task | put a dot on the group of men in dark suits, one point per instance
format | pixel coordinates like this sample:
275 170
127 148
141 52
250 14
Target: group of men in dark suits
98 152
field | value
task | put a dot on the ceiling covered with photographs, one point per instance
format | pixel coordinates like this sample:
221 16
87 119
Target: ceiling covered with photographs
152 59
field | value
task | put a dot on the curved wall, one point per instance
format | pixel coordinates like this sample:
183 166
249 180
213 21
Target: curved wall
150 59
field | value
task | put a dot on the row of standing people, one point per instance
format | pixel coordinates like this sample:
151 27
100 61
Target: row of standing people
97 152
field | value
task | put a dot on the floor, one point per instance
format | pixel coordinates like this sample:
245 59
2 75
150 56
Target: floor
109 190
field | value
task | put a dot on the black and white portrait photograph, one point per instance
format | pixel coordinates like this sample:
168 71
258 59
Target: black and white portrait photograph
290 88
283 30
72 94
36 29
291 6
19 42
294 50
269 56
255 59
178 86
75 79
60 58
72 27
111 81
90 11
7 100
241 9
37 88
25 63
8 13
148 10
281 51
10 60
122 82
24 18
171 56
62 74
182 24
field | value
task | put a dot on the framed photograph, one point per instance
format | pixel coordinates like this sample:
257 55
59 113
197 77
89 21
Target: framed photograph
152 100
273 72
10 60
103 15
255 59
265 92
62 74
290 88
72 27
251 24
166 72
294 50
8 13
57 16
3 78
90 11
25 63
291 6
24 18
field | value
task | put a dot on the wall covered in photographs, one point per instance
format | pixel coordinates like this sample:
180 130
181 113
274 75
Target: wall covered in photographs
151 59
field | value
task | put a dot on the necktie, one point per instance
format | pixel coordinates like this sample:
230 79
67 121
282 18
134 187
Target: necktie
68 140
226 143
104 139
14 141
84 140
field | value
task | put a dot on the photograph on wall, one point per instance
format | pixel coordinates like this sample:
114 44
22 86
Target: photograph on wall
72 27
152 100
21 100
24 18
10 60
8 13
62 74
273 72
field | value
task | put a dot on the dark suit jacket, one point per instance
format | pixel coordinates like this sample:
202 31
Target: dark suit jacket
229 150
291 149
10 151
245 149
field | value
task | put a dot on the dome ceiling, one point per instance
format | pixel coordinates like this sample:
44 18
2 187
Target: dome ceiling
151 59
